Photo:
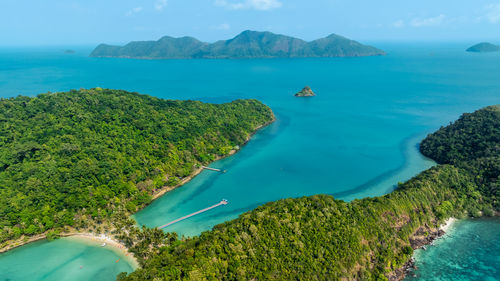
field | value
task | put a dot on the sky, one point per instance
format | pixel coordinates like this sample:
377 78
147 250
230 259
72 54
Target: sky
74 22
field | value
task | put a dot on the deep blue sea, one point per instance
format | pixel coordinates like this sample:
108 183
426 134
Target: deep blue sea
358 137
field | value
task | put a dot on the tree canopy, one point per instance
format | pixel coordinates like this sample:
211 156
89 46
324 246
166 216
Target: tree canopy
82 153
472 136
320 238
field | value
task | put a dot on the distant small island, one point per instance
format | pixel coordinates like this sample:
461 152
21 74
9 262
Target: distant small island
306 92
246 45
484 47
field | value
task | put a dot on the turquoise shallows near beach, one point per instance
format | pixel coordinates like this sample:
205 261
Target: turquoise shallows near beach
469 251
358 137
62 259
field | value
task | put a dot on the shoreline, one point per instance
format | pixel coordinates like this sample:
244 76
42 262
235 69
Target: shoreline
111 244
421 243
447 224
94 239
18 243
13 244
165 189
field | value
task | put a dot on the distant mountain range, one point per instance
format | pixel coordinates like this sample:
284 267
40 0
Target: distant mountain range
484 48
246 45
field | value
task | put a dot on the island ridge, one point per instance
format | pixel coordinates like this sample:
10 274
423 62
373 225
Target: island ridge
246 45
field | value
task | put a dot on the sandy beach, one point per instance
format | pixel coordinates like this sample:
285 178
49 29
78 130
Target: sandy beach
447 224
110 243
121 249
98 240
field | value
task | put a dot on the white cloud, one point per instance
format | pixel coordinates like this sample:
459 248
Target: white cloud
222 26
262 5
398 24
433 21
134 11
493 13
160 4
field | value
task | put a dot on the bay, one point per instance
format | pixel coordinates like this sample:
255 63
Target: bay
358 137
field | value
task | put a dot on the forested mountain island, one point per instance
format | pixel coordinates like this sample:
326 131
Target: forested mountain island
246 45
484 47
321 238
84 160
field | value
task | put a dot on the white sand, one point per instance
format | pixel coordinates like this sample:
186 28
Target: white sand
110 244
447 224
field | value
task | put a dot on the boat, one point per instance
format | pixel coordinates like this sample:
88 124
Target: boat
103 244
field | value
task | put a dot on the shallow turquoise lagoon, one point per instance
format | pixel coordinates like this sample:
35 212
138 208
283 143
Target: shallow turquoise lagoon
469 251
358 137
63 259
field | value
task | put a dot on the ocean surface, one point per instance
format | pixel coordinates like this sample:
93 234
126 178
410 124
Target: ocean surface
63 259
358 137
469 251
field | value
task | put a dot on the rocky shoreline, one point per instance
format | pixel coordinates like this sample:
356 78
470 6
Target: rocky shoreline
424 236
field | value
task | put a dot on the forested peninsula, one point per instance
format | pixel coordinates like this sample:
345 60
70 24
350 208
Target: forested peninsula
321 238
84 160
247 45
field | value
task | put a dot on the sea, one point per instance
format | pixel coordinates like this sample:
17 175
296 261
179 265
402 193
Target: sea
357 138
469 251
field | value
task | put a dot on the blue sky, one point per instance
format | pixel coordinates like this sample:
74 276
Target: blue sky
52 22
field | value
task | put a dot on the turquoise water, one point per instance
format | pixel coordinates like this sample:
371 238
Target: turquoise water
470 251
63 259
358 137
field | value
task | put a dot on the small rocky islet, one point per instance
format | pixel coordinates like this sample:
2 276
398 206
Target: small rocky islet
305 92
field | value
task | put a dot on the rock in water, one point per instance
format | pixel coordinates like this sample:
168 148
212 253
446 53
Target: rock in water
306 92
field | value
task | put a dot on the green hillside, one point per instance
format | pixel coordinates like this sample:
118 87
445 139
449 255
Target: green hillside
83 153
474 135
320 238
248 44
